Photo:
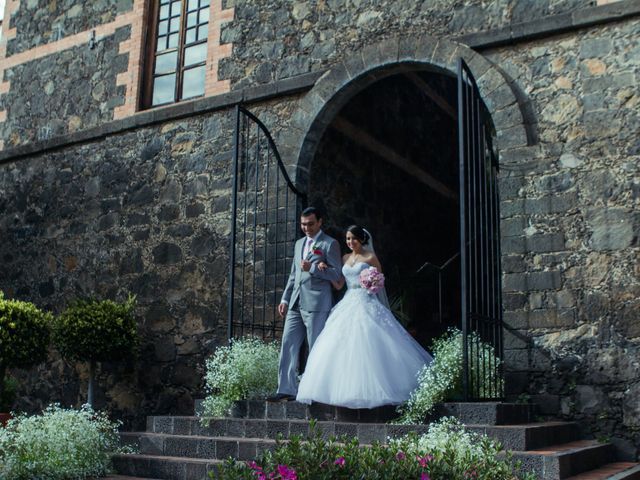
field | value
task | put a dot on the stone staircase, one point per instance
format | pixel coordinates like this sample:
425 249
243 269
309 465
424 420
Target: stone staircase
181 448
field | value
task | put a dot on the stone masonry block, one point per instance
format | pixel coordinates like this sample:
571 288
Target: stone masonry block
512 226
445 55
517 320
500 98
426 48
512 137
371 56
407 46
476 62
354 65
389 50
181 447
371 433
491 80
543 243
507 116
514 339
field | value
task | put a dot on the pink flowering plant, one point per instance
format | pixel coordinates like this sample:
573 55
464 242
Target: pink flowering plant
371 280
320 458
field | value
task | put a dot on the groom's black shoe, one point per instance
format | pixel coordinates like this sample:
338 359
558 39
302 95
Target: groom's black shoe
281 397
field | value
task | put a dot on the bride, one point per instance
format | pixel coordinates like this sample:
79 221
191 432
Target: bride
363 358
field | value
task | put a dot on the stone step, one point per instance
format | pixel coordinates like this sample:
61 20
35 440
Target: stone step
612 471
562 461
489 413
126 477
163 468
194 446
512 437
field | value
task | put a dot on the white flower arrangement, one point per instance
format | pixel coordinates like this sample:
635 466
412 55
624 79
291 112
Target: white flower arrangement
442 379
248 368
59 444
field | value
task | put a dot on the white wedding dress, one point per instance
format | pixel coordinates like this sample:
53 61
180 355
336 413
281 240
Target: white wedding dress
363 358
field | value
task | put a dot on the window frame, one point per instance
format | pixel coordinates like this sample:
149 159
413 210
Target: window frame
151 53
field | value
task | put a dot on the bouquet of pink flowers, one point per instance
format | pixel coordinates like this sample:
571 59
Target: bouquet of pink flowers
371 280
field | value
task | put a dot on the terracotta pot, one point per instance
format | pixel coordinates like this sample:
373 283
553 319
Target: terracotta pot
4 418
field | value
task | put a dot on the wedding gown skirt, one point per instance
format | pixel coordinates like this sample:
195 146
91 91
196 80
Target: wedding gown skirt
363 358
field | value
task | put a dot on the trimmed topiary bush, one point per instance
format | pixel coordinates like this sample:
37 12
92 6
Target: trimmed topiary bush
24 336
96 331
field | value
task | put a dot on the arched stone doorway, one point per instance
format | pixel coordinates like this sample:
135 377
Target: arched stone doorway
388 161
374 109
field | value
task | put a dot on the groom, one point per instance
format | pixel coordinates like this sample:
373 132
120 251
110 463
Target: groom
307 297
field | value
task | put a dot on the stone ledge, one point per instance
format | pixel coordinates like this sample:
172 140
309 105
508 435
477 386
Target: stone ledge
551 25
180 110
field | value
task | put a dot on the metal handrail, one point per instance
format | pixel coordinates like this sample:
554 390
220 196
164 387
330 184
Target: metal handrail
440 269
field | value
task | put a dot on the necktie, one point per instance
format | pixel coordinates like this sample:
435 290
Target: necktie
307 247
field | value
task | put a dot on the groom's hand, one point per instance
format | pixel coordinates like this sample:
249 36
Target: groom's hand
282 309
305 265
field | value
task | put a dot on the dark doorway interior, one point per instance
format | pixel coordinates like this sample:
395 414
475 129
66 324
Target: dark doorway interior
389 161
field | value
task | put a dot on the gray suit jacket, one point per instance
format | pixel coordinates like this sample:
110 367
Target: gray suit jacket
313 288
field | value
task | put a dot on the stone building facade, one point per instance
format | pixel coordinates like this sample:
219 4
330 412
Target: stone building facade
99 196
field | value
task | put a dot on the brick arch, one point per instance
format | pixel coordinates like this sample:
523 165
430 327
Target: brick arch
345 79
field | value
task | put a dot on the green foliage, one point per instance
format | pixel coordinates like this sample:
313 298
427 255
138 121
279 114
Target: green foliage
24 334
248 368
446 452
92 330
442 379
59 444
8 394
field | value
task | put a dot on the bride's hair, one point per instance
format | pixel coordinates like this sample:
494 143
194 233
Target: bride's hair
360 233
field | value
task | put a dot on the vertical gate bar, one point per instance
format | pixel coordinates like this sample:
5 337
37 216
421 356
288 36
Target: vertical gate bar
492 266
500 347
266 241
286 232
255 231
483 241
474 255
463 229
244 240
486 324
276 258
232 246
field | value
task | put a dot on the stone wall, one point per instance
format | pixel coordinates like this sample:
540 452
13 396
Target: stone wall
39 106
278 39
571 230
146 210
38 22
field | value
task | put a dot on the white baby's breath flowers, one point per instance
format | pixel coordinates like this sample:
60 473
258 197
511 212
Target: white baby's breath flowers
58 444
442 379
248 368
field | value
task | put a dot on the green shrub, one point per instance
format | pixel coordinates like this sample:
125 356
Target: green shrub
93 330
446 452
442 379
248 368
96 331
59 444
24 335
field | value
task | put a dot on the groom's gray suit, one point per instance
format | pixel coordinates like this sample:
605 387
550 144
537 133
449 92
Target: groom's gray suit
309 297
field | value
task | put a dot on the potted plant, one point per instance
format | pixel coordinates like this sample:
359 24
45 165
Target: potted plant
24 338
96 331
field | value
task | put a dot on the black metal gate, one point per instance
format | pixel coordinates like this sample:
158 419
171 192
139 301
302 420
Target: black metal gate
479 245
264 227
